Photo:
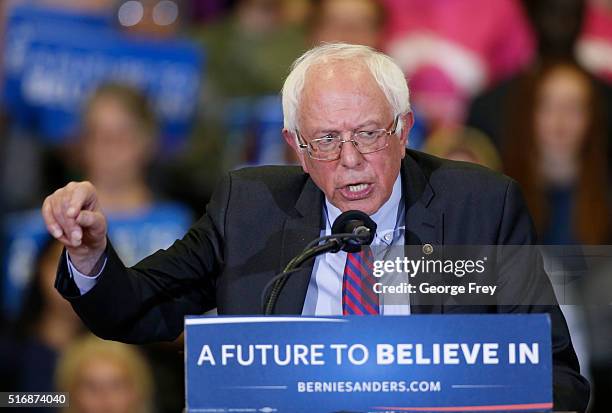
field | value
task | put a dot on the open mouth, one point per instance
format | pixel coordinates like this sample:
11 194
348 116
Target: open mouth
356 191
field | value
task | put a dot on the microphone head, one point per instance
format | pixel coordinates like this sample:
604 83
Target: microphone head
357 223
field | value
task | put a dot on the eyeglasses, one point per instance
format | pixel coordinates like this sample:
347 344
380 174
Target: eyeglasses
329 147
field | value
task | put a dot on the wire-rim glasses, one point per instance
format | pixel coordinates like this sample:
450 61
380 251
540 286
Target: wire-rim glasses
329 147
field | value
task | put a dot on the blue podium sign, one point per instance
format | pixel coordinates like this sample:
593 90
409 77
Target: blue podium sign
376 364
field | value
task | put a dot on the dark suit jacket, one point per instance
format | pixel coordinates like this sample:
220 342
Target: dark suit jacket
259 218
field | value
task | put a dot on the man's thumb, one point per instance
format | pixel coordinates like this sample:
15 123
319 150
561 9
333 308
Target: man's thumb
93 221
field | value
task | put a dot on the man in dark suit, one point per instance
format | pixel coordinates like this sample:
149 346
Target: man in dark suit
347 116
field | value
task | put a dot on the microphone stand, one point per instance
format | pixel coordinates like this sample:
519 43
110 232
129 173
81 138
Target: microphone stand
334 243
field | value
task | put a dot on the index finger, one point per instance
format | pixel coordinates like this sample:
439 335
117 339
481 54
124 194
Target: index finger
82 195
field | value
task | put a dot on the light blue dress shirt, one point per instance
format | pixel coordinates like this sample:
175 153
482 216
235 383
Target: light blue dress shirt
324 295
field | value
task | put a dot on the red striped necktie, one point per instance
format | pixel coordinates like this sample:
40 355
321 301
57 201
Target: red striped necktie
358 296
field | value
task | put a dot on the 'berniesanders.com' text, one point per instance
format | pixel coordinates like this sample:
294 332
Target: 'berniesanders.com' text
368 386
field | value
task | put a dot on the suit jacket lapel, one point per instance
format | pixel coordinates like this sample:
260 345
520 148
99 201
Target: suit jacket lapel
424 225
299 229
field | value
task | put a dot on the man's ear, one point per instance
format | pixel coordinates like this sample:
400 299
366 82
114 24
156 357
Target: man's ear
291 139
407 120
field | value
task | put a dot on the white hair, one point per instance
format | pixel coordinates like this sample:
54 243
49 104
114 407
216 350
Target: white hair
385 71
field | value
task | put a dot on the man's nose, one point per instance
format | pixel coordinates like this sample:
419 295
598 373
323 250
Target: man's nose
350 157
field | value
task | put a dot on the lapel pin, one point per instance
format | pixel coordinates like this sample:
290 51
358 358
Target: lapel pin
427 249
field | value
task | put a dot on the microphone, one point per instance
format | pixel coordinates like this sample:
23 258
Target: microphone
350 231
358 224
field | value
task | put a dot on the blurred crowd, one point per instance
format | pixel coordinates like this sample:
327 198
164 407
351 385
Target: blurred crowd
153 100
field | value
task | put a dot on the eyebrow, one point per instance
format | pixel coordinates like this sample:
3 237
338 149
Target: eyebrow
360 126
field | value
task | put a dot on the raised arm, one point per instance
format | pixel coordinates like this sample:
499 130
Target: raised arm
147 302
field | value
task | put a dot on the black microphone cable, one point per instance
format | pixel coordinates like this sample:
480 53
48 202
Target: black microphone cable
311 250
362 228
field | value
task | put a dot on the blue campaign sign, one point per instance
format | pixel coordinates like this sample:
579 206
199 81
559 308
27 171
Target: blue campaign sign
55 59
368 364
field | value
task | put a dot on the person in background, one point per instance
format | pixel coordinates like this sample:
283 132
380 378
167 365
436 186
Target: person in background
556 150
451 50
558 25
117 146
464 144
105 377
594 49
550 122
249 50
247 55
350 21
45 327
117 150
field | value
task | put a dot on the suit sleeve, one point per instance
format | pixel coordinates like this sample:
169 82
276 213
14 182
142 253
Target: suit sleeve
148 302
526 277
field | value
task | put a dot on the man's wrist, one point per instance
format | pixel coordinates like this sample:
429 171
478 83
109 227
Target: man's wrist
88 266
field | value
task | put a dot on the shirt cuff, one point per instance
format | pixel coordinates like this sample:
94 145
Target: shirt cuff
83 282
